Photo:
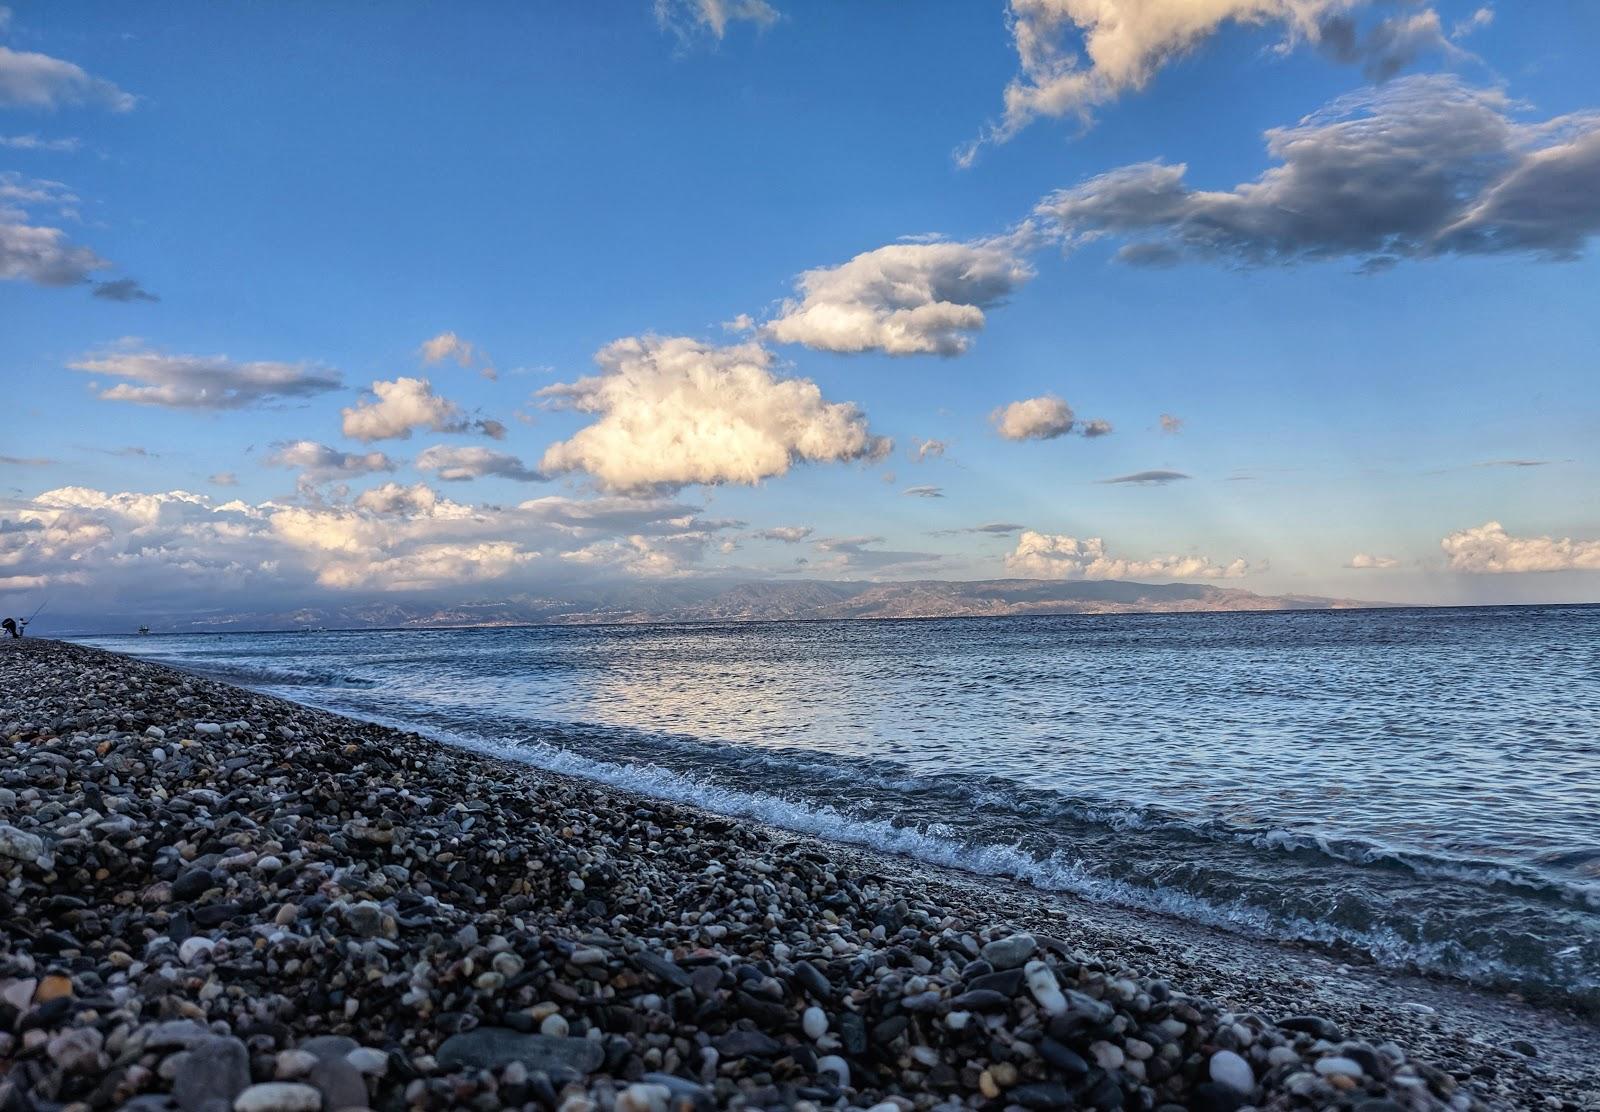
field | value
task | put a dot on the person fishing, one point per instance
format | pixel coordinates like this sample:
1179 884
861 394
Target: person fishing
13 627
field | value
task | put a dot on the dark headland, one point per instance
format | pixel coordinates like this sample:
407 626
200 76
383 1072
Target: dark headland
213 899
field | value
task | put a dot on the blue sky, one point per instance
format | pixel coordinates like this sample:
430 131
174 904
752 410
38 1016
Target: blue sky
1358 366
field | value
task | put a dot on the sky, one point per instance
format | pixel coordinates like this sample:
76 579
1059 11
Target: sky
308 303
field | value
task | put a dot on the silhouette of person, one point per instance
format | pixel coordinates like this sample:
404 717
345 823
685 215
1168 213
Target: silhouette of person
11 626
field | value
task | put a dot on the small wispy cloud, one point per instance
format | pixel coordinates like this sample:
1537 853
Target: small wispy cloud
924 492
1149 478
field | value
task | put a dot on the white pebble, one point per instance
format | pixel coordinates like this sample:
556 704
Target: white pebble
814 1022
1227 1068
1347 1067
832 1063
1108 1055
554 1025
957 1021
193 948
1042 983
279 1096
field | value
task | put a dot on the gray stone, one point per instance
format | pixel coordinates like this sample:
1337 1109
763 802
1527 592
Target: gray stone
215 1070
1009 953
496 1047
19 844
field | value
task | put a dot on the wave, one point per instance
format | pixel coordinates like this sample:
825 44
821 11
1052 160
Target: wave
263 675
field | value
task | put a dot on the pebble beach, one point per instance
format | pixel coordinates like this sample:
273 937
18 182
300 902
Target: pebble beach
213 899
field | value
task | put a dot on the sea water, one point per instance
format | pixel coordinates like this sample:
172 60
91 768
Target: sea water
1418 786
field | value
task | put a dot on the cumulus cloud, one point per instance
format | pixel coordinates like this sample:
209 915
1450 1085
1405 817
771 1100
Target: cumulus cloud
1421 168
188 551
29 80
786 534
1043 418
398 408
1489 549
1366 561
1055 556
1149 478
1075 55
456 465
675 411
924 492
201 381
924 450
903 299
447 345
123 289
317 462
689 19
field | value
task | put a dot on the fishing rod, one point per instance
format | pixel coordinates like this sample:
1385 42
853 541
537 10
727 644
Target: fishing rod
35 613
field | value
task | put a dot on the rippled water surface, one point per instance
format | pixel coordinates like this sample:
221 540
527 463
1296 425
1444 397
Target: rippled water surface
1419 785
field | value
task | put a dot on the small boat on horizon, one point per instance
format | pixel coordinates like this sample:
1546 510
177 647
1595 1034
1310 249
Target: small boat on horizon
144 631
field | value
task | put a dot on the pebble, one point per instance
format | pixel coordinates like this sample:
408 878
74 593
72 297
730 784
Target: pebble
814 1022
278 1096
1227 1068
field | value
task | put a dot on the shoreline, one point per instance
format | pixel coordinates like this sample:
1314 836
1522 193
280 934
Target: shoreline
903 987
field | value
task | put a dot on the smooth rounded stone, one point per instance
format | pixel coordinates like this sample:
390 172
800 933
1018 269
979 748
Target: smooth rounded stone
555 1025
1107 1055
814 1022
365 918
209 729
837 1066
1313 1025
1063 1058
291 1065
194 948
813 981
1043 986
981 1000
1041 1094
643 1097
278 1096
957 1021
1010 952
680 1088
1005 981
191 884
1227 1068
214 1071
1524 1048
1339 1066
19 845
1213 1096
368 1061
662 967
496 1047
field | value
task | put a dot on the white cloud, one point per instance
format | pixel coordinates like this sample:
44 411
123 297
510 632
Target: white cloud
318 462
32 250
924 450
1053 556
33 142
676 411
407 404
786 534
224 479
187 551
1366 561
29 80
1170 424
924 492
446 345
1421 168
903 299
1124 43
688 18
201 381
1043 418
459 464
1489 549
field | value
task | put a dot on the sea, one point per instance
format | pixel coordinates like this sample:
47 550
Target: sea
1418 787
